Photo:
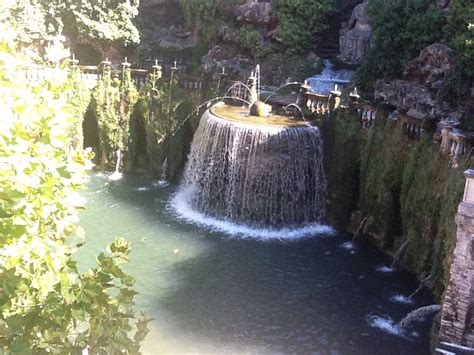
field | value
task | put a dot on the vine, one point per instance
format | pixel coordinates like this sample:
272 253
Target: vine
113 104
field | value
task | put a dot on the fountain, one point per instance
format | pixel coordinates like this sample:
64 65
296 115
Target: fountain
254 172
117 175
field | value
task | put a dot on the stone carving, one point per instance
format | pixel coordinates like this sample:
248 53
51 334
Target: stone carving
355 36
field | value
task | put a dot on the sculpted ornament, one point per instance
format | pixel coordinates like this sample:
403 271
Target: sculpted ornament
355 36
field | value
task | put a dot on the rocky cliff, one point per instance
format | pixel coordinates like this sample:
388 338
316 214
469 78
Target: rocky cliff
417 92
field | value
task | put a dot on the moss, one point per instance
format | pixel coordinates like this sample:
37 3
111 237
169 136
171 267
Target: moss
138 157
382 164
342 136
408 188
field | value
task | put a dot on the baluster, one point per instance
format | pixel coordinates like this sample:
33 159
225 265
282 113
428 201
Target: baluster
453 148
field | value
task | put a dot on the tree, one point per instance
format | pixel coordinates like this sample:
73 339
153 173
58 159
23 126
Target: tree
459 33
99 23
400 29
46 304
300 20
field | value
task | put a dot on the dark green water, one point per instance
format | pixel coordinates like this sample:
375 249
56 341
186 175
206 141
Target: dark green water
213 293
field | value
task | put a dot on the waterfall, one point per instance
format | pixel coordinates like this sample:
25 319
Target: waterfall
323 83
256 175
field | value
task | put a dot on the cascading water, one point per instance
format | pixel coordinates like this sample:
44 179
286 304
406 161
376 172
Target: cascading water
266 179
323 83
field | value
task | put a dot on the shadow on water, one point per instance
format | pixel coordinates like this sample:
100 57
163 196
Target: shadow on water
211 293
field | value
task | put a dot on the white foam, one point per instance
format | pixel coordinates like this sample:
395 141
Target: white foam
386 269
401 299
143 188
160 183
385 324
115 176
348 246
180 206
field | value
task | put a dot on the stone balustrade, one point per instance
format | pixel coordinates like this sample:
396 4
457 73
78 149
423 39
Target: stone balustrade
412 127
315 103
367 114
454 143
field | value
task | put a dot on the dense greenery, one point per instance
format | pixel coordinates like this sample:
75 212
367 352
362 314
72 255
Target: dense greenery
113 103
342 165
409 191
459 33
98 22
300 20
46 304
400 29
206 17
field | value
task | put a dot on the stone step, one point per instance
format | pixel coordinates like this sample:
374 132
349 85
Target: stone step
449 348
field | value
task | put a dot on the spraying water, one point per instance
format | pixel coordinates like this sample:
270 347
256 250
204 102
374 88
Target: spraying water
117 175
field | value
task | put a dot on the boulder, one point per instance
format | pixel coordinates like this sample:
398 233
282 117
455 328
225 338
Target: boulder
431 67
258 13
417 93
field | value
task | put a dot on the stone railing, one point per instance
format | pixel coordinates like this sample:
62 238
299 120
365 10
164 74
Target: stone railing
317 104
367 114
454 143
190 83
411 127
92 73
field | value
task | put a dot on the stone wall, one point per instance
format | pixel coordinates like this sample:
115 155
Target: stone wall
457 321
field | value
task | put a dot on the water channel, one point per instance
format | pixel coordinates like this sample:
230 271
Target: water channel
211 292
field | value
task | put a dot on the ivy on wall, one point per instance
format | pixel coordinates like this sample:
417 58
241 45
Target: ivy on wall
410 191
113 104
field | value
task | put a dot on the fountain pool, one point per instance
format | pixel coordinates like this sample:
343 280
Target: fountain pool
209 292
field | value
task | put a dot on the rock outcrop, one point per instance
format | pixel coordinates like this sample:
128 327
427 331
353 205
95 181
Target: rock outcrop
257 13
164 26
422 81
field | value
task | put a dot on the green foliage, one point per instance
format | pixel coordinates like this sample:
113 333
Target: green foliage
100 21
79 101
248 38
343 137
300 20
459 33
400 29
382 164
46 305
113 102
206 16
430 195
167 103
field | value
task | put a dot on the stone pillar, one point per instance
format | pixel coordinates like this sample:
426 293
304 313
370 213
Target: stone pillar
458 305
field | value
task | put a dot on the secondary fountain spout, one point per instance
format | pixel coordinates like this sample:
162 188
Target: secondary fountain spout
257 107
164 170
117 175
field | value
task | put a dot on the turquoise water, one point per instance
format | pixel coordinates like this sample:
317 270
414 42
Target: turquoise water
210 292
